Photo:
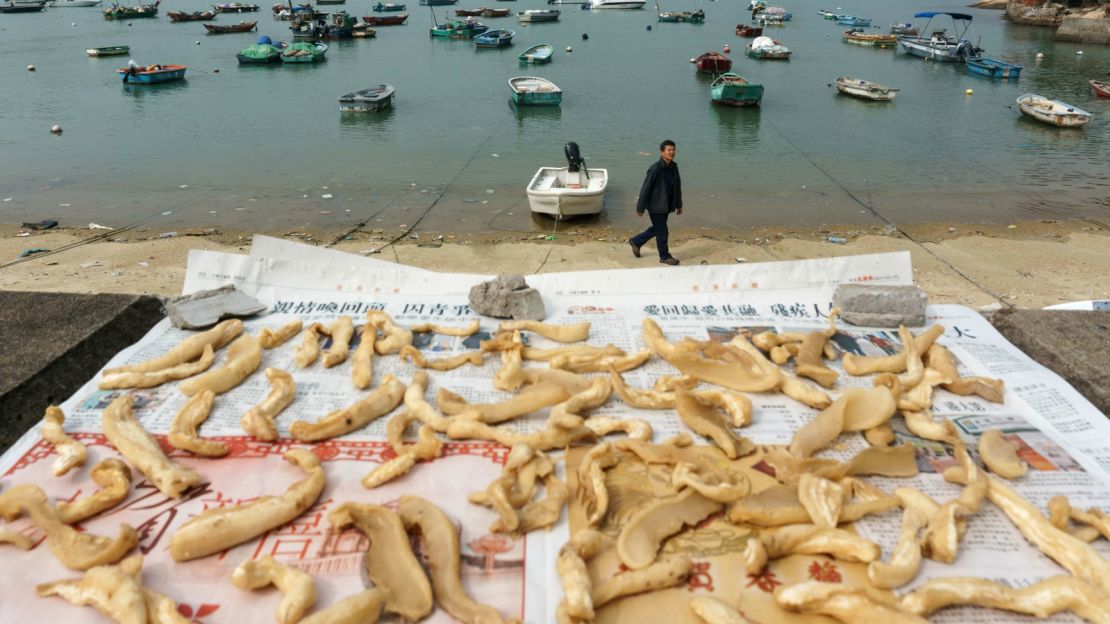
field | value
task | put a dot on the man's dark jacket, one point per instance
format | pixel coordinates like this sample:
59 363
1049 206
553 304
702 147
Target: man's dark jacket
662 190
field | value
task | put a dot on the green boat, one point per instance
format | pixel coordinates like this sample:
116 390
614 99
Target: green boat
109 51
732 90
687 17
533 91
304 52
117 12
455 29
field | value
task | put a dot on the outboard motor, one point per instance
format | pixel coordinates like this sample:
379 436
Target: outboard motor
576 166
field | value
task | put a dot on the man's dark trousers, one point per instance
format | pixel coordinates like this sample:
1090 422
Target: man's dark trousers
659 230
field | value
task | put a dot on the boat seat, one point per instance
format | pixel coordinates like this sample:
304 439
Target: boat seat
546 184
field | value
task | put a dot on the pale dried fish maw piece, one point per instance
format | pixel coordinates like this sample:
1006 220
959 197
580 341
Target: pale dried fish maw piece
575 332
309 349
971 497
880 436
781 354
737 406
986 387
598 363
571 567
144 453
71 453
915 368
18 540
243 358
469 329
113 590
942 535
773 506
803 392
592 492
852 605
183 431
641 538
442 551
412 354
807 539
634 428
273 338
545 355
221 528
341 331
415 403
905 561
118 380
390 561
1059 511
1000 455
364 607
1093 518
572 383
594 396
810 360
706 420
161 609
297 587
362 362
259 420
860 365
856 409
922 425
532 399
552 437
1043 599
920 397
669 571
188 350
709 484
654 339
668 383
540 514
767 340
393 335
510 376
750 376
822 499
378 403
426 448
642 399
715 611
887 461
114 478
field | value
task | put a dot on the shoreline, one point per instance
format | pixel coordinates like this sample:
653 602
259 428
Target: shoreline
1026 264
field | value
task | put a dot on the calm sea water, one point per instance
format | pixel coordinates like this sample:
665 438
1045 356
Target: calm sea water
259 147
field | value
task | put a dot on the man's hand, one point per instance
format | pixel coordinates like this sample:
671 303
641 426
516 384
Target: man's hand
679 211
639 213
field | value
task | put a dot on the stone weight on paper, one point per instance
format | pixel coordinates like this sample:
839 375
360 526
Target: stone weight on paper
507 296
872 305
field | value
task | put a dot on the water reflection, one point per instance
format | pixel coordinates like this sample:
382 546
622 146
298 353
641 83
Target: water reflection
369 120
530 118
738 127
154 92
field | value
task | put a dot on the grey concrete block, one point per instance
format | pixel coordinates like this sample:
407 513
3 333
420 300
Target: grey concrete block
874 305
507 296
208 307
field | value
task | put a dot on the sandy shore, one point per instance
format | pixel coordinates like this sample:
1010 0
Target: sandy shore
1025 264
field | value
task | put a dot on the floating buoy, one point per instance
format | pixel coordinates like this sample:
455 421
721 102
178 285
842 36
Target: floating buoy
969 92
73 23
1040 55
585 36
198 43
215 70
649 27
30 68
55 129
727 49
129 24
693 60
1079 52
570 49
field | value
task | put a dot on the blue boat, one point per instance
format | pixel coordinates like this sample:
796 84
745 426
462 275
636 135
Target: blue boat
495 39
151 74
851 20
992 68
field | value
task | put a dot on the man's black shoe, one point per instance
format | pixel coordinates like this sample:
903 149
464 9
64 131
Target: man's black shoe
671 261
635 249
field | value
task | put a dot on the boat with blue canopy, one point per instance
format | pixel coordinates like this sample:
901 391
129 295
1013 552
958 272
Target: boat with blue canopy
939 46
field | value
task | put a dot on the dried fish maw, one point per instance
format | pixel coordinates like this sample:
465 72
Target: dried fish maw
822 499
414 402
654 339
412 354
540 514
144 453
642 399
572 383
364 607
592 492
922 425
118 380
532 399
545 355
915 368
114 590
810 363
390 561
855 605
243 358
1043 599
905 561
576 332
856 409
259 420
393 335
860 365
341 331
714 611
706 420
710 484
804 392
598 363
669 571
641 538
378 403
188 350
469 329
362 361
635 429
880 436
805 539
571 566
71 453
298 588
114 478
18 540
988 388
510 376
595 396
183 431
426 448
751 378
309 349
273 338
737 406
221 528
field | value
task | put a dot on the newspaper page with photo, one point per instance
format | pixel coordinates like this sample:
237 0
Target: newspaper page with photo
1056 432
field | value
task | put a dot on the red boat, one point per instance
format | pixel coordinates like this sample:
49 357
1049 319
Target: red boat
385 20
1102 89
713 63
743 30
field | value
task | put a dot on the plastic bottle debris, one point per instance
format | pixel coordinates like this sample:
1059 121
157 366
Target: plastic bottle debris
32 251
168 235
837 240
97 226
89 265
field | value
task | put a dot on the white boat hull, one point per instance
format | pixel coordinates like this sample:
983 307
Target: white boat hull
944 53
865 90
617 4
1052 112
75 3
548 192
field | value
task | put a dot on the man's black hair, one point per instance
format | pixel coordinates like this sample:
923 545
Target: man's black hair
664 144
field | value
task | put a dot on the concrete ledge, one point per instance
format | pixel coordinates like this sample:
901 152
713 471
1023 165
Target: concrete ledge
1074 344
55 342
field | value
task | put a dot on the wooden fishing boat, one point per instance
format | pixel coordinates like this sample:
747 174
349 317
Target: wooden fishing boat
151 74
766 48
829 15
262 53
744 30
903 28
865 90
733 90
235 7
537 54
23 7
385 20
241 27
304 52
488 12
534 91
560 192
851 20
499 38
469 12
991 68
1101 89
681 17
195 16
858 37
331 1
388 7
1052 112
284 13
539 15
713 63
109 51
368 100
121 12
455 29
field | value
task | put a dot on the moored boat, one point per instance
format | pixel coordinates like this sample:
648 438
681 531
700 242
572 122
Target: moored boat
903 28
939 46
992 68
499 38
195 16
304 52
23 7
388 7
1101 89
469 12
367 100
733 90
488 12
539 15
363 31
765 48
535 91
865 90
570 191
852 20
537 54
744 30
858 37
385 20
151 74
616 4
713 63
216 29
74 3
109 51
121 12
235 7
690 17
1052 112
455 29
438 2
262 53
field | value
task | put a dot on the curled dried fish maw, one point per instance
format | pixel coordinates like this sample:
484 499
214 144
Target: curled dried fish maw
259 420
856 409
990 389
595 396
598 363
572 383
426 448
709 484
188 350
412 354
854 605
823 499
18 540
859 365
144 453
221 528
114 590
362 362
887 461
1000 455
415 403
161 609
469 329
309 349
243 358
635 429
647 529
183 431
114 478
298 588
905 561
364 607
576 332
715 611
803 392
654 339
705 419
592 492
669 571
737 406
806 539
510 376
532 399
71 453
810 360
378 403
341 331
130 379
442 551
668 383
642 399
748 377
273 338
571 567
1043 599
393 335
390 561
540 514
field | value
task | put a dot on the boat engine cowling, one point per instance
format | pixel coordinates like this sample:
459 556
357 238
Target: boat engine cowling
574 157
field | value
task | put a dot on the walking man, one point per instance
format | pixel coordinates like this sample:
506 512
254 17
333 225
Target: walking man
660 195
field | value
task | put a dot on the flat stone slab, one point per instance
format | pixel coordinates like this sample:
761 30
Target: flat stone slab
55 342
205 308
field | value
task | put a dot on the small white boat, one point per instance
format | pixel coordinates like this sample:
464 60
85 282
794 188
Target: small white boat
866 90
617 4
367 100
1052 112
539 15
75 3
559 192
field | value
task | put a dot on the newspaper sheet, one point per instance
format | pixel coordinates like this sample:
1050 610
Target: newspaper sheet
1060 434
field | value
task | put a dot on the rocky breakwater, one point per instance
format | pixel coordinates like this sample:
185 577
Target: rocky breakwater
1087 23
1089 27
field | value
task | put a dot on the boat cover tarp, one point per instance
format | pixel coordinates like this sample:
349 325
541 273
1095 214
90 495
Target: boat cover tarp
307 48
959 16
762 42
260 51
